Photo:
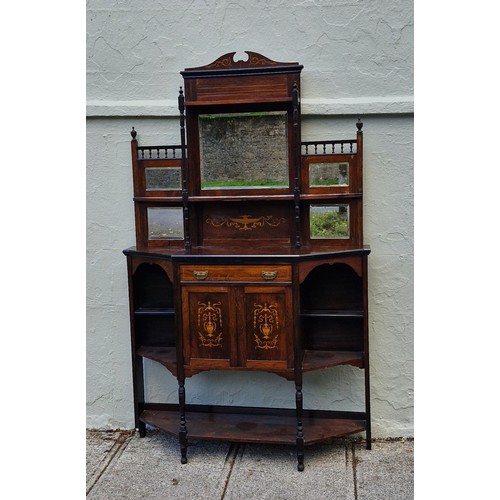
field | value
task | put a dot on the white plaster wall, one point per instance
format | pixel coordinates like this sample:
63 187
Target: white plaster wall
358 60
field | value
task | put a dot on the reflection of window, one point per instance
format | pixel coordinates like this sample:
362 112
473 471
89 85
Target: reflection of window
244 150
329 174
165 223
329 221
158 179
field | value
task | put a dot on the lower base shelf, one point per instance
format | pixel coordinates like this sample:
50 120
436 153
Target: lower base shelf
253 425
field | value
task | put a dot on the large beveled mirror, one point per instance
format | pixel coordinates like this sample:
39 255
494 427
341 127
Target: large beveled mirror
244 150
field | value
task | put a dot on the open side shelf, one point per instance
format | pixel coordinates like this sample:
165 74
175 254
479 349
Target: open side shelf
254 425
163 355
332 313
317 360
160 311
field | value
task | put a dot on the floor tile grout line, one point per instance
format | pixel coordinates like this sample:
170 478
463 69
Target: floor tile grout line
120 444
354 470
232 455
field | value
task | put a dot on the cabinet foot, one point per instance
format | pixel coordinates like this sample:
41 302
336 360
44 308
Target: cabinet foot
183 443
368 435
142 429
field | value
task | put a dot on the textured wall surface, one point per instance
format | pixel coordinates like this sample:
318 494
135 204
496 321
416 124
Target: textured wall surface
357 58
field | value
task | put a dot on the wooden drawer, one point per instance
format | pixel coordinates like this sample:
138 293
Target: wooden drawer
259 274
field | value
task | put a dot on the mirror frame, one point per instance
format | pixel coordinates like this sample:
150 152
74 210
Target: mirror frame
194 161
355 183
236 159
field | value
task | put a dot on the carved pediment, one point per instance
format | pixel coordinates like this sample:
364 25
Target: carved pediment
255 60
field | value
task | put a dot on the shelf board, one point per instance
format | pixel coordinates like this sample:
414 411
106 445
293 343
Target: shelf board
329 313
241 197
230 254
312 360
328 196
155 311
317 360
164 355
210 197
256 425
159 199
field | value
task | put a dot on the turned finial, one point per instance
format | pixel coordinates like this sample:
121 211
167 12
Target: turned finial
181 100
359 124
295 94
133 133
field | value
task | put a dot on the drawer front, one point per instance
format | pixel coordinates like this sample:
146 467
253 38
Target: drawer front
259 274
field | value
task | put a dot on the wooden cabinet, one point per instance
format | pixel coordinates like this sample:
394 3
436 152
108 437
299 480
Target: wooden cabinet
238 317
249 256
255 333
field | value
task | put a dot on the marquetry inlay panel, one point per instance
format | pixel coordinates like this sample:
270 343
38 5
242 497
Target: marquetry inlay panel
266 326
246 222
210 324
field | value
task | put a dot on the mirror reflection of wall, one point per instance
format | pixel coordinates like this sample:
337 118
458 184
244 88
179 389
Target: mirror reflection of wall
165 223
329 221
163 179
244 150
328 174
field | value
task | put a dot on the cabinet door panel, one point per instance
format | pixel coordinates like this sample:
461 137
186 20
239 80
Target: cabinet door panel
207 325
266 337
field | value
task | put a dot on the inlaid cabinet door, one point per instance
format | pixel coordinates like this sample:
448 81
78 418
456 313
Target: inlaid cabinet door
207 323
265 333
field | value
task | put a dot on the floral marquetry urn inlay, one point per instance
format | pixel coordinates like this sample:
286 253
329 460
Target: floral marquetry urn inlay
266 325
210 324
246 222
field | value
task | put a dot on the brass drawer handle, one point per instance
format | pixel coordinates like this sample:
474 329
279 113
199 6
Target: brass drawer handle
200 275
269 275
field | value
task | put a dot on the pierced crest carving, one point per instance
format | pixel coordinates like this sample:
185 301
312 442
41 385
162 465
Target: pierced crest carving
227 61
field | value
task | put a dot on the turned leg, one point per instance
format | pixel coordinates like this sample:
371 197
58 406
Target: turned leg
182 428
300 429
